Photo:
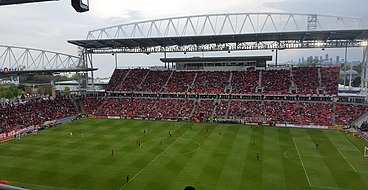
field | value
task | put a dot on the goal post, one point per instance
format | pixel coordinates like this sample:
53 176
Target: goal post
366 152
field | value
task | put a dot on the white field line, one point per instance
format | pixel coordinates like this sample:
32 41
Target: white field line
151 162
324 187
350 142
356 171
305 171
347 160
301 161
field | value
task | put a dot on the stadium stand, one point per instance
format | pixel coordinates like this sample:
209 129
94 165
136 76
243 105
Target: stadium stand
245 82
35 112
211 96
276 81
306 79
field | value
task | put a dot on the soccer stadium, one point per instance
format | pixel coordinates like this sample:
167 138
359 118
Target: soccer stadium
202 122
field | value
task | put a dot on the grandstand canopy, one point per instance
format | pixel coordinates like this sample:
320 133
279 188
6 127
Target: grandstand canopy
224 32
11 2
216 59
218 63
219 39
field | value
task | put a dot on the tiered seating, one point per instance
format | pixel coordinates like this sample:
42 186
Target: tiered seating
154 81
221 109
90 105
186 109
35 112
116 79
250 111
306 79
133 79
204 109
347 113
140 108
316 113
276 81
211 82
113 106
167 108
285 112
179 82
244 82
330 79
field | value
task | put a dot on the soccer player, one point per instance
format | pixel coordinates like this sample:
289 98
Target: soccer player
257 156
317 145
127 178
170 133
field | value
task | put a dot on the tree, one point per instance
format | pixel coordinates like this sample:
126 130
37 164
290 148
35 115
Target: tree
66 91
358 68
45 89
356 82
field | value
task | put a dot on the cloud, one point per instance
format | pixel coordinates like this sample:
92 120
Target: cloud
49 25
356 8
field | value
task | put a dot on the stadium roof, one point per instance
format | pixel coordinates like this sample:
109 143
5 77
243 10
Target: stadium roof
216 59
11 2
275 37
49 70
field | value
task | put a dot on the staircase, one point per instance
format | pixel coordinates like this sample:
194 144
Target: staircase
118 87
191 85
194 107
163 88
260 79
78 105
319 77
138 87
215 107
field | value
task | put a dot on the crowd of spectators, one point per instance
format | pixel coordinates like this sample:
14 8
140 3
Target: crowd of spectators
276 81
35 112
245 109
330 79
347 113
116 79
244 82
204 109
167 108
211 82
180 82
221 109
306 79
316 113
284 112
155 81
133 80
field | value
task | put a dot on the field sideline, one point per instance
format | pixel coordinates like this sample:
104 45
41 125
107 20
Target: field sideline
208 157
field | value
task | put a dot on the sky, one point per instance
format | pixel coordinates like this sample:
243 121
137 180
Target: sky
49 25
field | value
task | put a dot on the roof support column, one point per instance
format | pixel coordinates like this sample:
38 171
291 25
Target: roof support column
364 78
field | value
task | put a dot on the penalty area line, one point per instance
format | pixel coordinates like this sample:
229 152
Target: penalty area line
122 187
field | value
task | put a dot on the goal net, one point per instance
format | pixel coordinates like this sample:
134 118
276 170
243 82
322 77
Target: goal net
366 152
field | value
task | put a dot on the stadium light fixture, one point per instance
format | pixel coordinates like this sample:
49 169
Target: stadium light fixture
364 43
319 44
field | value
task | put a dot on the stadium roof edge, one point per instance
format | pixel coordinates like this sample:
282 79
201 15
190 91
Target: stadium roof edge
301 36
206 59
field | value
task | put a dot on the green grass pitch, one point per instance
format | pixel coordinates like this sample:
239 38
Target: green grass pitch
79 156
